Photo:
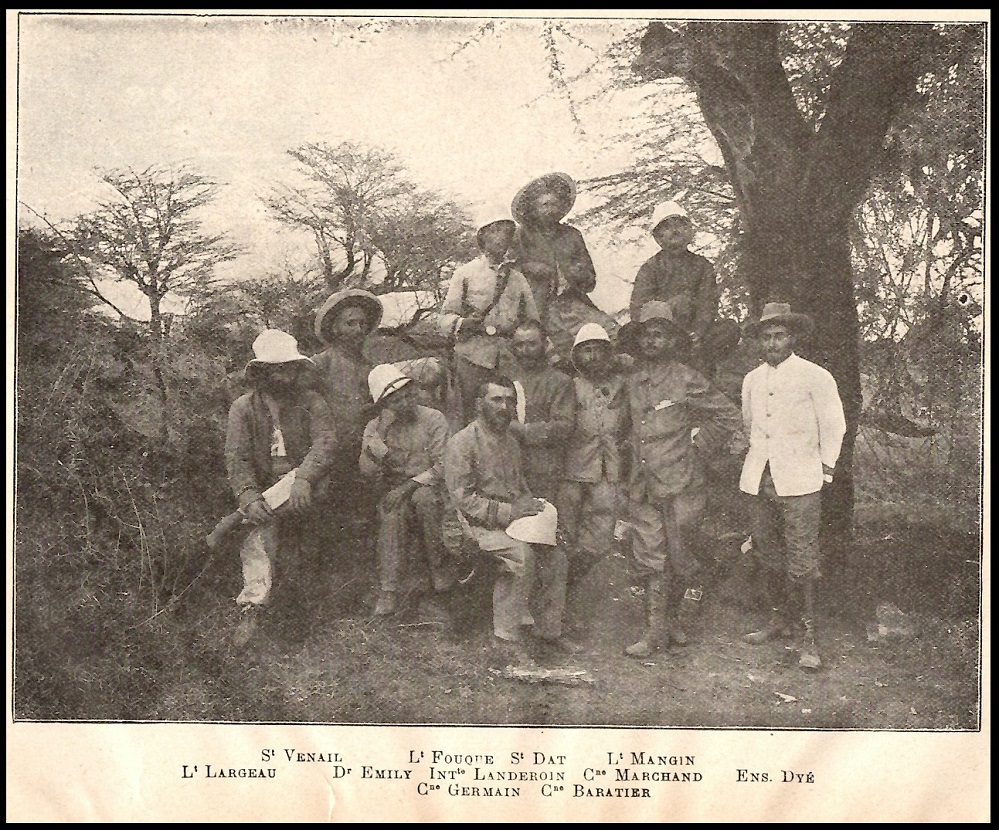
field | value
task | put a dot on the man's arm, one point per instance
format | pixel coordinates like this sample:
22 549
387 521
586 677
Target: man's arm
318 460
373 449
584 276
706 302
449 316
561 415
830 417
723 419
239 455
437 438
644 289
460 477
747 405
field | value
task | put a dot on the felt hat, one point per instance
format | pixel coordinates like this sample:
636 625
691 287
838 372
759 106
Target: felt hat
659 310
559 183
385 379
343 299
664 211
538 529
781 313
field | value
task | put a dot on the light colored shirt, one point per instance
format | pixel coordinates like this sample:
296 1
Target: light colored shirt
601 425
794 417
473 288
483 474
400 450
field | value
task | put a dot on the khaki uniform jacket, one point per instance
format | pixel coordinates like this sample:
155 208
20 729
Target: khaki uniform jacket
406 450
484 475
666 402
309 442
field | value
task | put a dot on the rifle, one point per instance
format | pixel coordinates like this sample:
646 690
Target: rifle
274 496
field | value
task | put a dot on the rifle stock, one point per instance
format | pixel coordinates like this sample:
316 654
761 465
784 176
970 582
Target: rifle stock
223 529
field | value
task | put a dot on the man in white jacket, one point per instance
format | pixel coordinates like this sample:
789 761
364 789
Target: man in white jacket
794 419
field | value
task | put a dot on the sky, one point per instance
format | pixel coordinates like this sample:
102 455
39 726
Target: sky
230 96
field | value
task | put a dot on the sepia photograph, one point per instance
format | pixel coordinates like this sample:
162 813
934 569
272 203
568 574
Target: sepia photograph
558 373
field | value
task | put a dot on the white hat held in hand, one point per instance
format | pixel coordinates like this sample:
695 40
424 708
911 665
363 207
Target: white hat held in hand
538 529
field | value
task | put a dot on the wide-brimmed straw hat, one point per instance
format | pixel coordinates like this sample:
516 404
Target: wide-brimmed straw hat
781 313
559 183
384 380
274 347
343 299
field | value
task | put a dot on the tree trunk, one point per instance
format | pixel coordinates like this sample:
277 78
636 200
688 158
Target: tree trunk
796 187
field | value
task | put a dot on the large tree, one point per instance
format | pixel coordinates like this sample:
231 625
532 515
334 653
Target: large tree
370 222
148 233
798 175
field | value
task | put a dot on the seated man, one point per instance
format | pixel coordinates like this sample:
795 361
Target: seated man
277 427
484 475
404 447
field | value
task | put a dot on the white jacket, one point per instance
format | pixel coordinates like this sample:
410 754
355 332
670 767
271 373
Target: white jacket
794 420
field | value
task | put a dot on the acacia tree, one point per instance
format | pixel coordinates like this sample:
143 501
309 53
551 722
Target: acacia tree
345 185
797 175
149 234
370 222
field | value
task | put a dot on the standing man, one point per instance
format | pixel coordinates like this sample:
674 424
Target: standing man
485 301
484 475
593 470
548 411
794 417
403 446
343 323
277 427
669 404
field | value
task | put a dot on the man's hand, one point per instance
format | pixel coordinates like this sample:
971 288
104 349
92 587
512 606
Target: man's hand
257 513
300 499
526 506
827 474
397 495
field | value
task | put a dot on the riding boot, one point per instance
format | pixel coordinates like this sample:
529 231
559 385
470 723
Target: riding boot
777 625
809 658
655 612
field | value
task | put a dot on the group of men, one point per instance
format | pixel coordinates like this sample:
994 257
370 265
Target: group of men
558 438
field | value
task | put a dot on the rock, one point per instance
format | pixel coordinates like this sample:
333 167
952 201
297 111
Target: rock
891 624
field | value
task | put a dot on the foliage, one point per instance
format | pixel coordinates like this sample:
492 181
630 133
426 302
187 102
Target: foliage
366 215
148 234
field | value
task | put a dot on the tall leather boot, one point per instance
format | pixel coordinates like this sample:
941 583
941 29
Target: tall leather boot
655 611
777 625
687 607
809 658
